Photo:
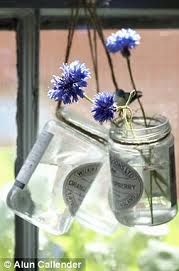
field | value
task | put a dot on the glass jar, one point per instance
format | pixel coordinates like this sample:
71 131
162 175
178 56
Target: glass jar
95 212
142 162
56 176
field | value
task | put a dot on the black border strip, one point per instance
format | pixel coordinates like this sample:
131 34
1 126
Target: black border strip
157 4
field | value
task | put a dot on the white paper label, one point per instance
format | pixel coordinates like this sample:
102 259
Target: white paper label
127 185
77 184
34 157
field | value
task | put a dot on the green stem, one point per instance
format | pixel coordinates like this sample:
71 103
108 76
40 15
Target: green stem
134 87
156 174
151 189
148 197
161 179
151 199
88 98
158 184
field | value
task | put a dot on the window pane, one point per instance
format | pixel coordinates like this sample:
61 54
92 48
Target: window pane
155 68
8 90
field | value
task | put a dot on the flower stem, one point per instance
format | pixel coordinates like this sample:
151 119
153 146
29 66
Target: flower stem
130 97
151 198
134 87
88 98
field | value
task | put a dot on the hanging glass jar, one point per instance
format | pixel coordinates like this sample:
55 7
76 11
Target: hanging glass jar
95 212
143 190
56 176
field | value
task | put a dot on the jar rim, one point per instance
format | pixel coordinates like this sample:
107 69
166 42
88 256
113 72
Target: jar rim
161 124
158 129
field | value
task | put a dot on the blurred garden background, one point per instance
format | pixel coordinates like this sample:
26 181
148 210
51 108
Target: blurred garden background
155 65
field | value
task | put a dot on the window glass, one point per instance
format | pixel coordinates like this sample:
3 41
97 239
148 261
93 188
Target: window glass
8 91
155 69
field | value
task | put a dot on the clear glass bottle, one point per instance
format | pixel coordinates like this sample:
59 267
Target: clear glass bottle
95 212
55 177
142 162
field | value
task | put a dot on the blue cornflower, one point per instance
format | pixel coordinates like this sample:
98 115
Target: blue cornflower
69 86
122 40
104 107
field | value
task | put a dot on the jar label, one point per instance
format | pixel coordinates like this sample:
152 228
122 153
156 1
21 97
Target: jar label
127 185
33 158
77 184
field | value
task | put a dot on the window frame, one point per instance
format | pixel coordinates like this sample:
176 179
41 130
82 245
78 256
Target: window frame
155 4
25 22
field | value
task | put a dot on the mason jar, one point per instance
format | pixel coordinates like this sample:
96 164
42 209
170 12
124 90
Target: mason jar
143 179
56 176
95 212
